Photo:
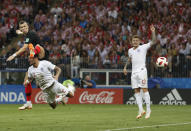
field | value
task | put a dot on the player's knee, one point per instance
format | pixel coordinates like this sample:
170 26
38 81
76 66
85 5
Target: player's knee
137 90
145 89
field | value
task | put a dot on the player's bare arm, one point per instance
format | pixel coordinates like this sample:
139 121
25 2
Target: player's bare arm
58 72
125 67
24 48
26 76
26 81
152 28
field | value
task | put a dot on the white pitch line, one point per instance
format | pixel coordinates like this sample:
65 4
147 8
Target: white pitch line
139 127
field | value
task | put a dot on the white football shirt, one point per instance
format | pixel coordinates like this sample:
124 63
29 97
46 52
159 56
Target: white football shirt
42 74
138 56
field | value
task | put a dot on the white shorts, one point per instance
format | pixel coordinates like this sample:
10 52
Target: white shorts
139 79
51 92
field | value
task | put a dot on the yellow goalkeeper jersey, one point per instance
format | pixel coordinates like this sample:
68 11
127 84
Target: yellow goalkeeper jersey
66 82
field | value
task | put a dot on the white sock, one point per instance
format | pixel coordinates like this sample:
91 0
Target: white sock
29 103
60 98
147 100
139 101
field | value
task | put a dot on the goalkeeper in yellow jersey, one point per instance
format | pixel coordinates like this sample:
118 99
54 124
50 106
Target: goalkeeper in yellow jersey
68 83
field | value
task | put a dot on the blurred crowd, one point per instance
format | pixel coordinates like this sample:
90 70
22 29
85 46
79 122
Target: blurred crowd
97 33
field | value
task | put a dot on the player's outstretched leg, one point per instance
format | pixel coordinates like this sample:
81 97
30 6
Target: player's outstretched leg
32 50
57 101
61 91
37 50
62 95
28 92
60 99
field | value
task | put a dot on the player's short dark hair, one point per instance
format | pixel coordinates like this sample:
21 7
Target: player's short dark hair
22 22
135 36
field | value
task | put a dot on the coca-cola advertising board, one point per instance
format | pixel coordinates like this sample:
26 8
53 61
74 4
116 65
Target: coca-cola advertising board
97 96
86 96
38 97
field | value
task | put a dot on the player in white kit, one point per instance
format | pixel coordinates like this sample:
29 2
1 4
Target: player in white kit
41 72
137 55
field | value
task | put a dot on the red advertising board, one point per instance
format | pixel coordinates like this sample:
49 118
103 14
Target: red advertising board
87 96
38 96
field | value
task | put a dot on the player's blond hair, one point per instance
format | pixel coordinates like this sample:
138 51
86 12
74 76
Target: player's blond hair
135 36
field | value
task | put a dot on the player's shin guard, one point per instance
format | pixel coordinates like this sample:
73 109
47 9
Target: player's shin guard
28 91
139 101
147 100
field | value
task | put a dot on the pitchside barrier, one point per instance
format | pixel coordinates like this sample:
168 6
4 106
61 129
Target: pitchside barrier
161 96
14 94
168 86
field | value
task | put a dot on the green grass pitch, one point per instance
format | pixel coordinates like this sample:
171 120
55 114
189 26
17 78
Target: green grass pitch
93 118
